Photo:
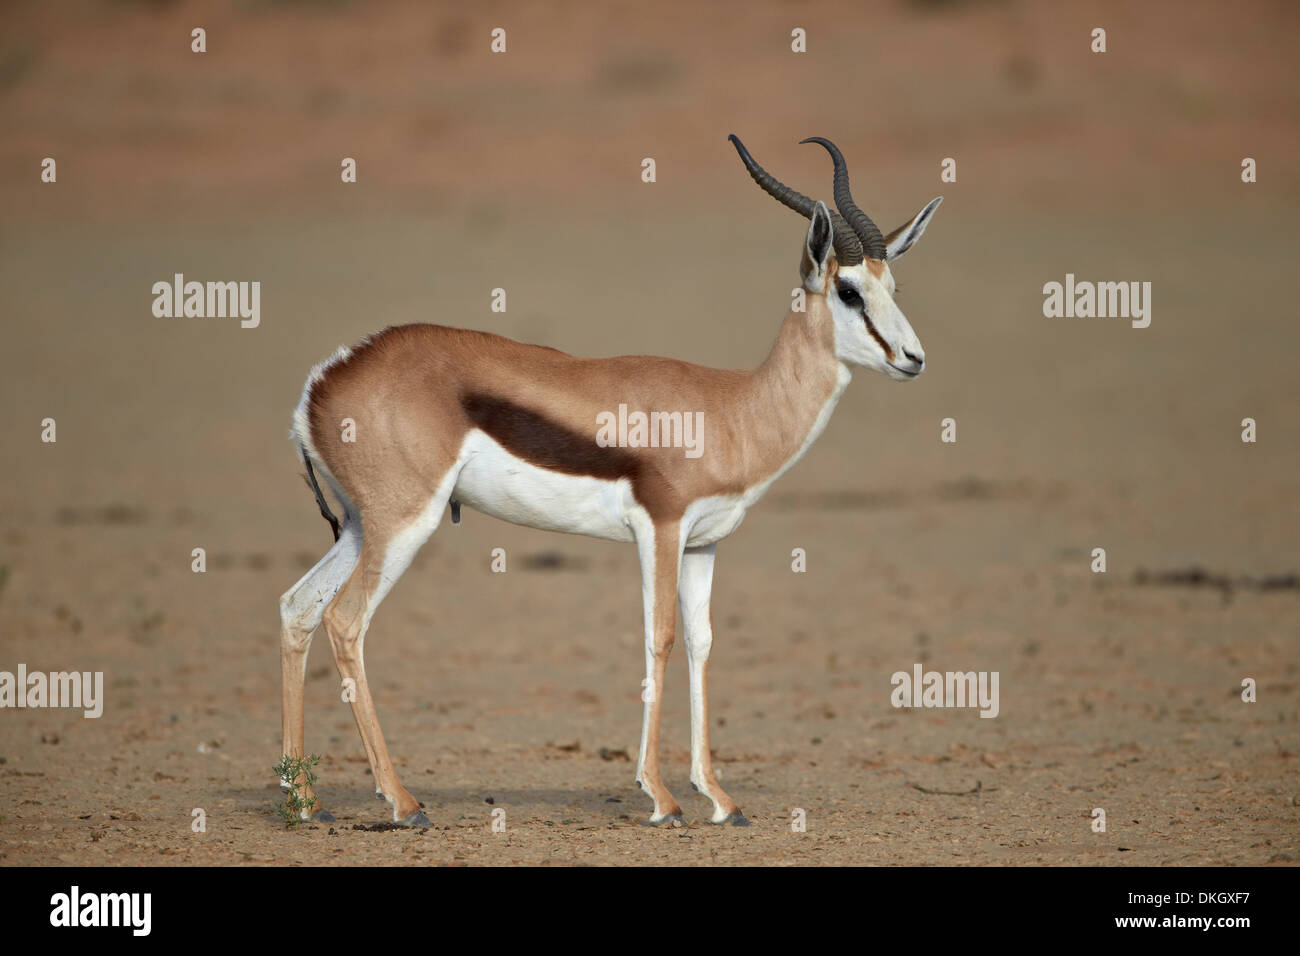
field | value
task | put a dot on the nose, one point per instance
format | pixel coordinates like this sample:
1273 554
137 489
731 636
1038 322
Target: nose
918 359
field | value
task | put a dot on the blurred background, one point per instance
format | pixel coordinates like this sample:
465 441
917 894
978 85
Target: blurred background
522 170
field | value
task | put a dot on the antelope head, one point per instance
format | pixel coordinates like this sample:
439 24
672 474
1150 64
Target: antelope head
870 328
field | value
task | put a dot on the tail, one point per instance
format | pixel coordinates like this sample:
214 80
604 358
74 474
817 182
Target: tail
320 498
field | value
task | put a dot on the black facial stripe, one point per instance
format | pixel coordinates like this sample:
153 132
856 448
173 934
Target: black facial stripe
889 353
862 310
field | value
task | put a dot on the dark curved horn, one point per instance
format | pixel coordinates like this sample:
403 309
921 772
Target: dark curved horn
866 230
847 247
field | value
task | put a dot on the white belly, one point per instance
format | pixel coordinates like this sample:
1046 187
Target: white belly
504 486
499 484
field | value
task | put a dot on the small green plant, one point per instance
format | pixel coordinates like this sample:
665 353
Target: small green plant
295 805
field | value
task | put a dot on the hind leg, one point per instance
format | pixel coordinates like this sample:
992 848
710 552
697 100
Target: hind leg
301 608
387 551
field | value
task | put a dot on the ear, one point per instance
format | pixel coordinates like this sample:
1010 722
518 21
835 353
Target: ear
817 248
901 239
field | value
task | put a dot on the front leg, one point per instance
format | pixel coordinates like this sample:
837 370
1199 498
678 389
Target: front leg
659 547
696 592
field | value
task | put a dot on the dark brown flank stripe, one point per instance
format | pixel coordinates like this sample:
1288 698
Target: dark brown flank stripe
547 444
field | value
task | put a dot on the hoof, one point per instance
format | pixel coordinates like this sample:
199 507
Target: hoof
736 819
416 819
667 820
322 816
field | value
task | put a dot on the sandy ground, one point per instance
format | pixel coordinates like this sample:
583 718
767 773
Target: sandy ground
521 690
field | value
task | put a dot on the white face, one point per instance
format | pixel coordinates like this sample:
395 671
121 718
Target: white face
870 329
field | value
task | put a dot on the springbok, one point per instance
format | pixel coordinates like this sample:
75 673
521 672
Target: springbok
441 416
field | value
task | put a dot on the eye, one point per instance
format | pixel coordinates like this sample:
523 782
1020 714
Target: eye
849 295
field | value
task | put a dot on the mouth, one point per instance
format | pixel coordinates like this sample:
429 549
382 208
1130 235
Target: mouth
908 373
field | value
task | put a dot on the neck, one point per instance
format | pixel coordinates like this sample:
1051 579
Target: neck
792 394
